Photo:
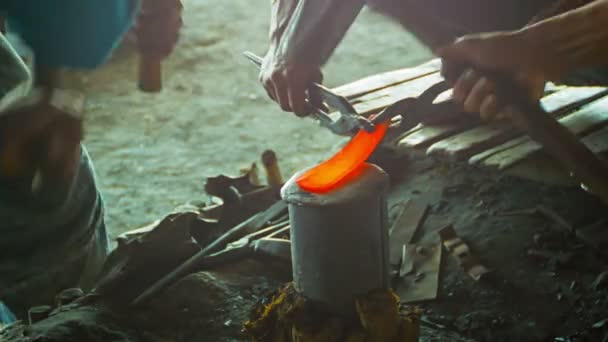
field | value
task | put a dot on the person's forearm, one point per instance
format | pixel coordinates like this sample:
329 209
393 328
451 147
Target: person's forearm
576 39
280 14
314 28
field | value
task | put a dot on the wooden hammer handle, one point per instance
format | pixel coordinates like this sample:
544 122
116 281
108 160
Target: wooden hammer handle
150 74
556 139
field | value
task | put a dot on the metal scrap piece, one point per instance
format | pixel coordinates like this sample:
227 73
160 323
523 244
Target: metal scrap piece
457 247
405 227
423 284
407 262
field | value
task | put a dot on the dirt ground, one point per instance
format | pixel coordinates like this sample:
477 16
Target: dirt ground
152 152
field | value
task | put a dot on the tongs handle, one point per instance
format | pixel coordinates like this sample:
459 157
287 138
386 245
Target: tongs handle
556 139
414 108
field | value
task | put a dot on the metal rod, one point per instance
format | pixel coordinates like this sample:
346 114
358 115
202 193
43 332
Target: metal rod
252 223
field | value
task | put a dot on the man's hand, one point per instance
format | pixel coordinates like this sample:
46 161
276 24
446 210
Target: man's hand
39 141
287 84
158 26
507 52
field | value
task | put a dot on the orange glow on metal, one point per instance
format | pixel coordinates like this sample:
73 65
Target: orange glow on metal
345 164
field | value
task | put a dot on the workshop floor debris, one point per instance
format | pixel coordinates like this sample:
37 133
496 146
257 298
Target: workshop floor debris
287 316
548 282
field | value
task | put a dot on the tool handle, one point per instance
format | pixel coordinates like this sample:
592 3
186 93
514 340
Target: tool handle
150 74
557 140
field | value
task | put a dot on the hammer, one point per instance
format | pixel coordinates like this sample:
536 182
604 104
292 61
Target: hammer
155 38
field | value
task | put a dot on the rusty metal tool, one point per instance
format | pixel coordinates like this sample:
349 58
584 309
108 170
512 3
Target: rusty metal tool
261 243
349 122
563 145
248 226
555 138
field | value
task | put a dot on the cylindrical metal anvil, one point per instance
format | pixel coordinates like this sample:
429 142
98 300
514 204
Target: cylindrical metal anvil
340 240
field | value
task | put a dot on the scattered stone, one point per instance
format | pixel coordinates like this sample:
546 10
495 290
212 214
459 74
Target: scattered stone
38 313
601 324
600 281
68 296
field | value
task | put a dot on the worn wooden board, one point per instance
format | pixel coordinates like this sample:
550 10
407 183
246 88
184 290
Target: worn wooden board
463 145
403 230
469 142
585 120
557 102
378 100
543 169
426 135
387 79
479 158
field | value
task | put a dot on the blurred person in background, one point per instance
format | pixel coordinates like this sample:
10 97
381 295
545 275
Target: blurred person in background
52 232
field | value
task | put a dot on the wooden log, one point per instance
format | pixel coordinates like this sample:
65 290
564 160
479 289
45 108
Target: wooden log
387 79
473 141
588 119
274 178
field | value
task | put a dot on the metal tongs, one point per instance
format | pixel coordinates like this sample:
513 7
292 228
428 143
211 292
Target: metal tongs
413 110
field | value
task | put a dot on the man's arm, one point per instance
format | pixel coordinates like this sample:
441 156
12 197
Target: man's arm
316 28
303 35
552 47
549 49
571 41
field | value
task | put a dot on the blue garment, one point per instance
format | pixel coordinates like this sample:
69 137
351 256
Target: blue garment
70 33
6 316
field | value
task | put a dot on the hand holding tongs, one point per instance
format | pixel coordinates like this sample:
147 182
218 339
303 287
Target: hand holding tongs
349 122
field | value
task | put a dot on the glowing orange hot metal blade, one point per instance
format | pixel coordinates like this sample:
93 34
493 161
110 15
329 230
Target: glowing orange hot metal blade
331 173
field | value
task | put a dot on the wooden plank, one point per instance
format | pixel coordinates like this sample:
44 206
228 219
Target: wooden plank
480 157
403 230
543 168
466 144
561 98
376 101
426 135
597 141
390 78
589 118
